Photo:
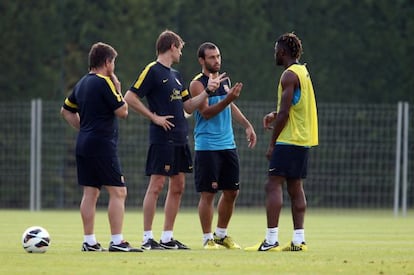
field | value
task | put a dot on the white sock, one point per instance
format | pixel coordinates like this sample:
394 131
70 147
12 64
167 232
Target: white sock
117 238
272 235
298 236
147 235
166 236
90 239
221 232
207 236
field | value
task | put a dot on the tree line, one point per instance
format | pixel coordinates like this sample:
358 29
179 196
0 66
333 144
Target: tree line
356 50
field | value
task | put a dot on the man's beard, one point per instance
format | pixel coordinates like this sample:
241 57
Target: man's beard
211 69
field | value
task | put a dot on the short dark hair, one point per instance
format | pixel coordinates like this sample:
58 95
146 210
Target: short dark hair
205 46
291 43
100 53
166 39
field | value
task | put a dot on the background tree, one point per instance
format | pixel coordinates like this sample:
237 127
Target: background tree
356 50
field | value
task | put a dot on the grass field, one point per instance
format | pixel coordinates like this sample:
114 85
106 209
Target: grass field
339 241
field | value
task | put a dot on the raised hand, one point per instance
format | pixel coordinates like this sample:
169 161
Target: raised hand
234 92
214 83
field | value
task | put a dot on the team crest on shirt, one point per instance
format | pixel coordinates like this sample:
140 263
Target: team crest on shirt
167 168
178 81
226 88
214 185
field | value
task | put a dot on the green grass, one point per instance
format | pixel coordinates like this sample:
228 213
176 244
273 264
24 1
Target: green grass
339 241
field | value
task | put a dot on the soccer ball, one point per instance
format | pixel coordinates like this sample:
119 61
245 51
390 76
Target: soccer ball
36 239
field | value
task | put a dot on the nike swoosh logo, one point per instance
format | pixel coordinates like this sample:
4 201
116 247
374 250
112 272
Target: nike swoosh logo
170 247
272 169
265 248
165 80
126 249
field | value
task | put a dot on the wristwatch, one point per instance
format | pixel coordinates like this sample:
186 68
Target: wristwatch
209 92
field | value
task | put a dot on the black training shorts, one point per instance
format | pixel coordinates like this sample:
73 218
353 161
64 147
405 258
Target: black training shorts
289 161
168 160
98 171
216 170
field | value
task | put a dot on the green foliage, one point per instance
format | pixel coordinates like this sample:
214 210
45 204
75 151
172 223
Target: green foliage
357 51
30 49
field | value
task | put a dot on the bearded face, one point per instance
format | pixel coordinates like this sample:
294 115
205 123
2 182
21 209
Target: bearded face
212 60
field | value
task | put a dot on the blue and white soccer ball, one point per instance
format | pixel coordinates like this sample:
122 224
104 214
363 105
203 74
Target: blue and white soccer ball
36 239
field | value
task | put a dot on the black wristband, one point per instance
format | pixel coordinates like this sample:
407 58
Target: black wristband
209 92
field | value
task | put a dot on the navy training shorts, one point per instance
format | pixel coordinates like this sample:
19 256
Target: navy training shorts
168 160
216 170
289 161
98 171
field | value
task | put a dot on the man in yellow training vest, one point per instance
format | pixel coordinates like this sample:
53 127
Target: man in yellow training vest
295 130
